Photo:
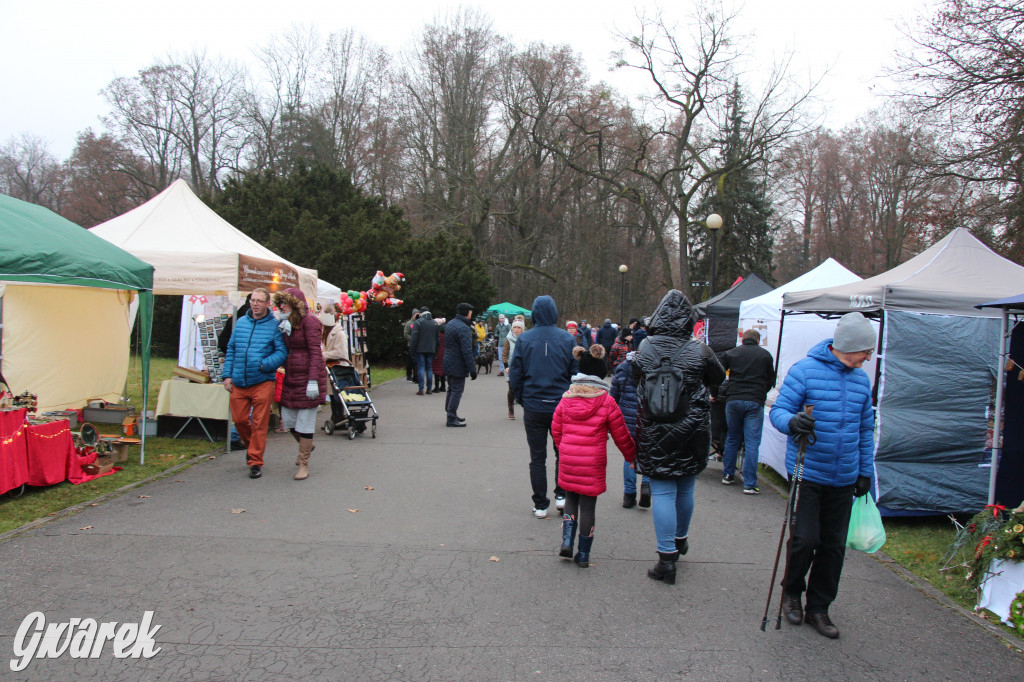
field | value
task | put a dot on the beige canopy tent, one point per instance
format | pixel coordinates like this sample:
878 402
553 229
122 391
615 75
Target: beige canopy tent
195 251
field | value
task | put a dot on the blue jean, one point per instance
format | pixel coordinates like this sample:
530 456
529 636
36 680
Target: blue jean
671 509
501 360
424 368
746 418
629 479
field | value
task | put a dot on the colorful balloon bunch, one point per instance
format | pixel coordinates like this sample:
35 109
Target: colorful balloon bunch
382 289
353 302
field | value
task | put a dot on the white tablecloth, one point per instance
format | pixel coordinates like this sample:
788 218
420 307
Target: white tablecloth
187 399
1004 582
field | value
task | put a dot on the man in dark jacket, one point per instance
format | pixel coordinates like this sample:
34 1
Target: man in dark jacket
751 375
541 371
583 334
606 337
410 359
458 361
672 453
639 333
422 346
255 351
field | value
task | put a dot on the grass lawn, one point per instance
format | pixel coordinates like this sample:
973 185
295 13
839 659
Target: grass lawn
161 455
920 544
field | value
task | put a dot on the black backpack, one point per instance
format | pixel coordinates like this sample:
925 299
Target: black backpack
667 399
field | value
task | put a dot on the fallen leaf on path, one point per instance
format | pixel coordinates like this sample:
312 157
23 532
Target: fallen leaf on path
95 504
494 558
142 497
237 511
353 510
213 457
86 528
367 487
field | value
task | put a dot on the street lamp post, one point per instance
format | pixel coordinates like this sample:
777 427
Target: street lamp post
714 223
623 269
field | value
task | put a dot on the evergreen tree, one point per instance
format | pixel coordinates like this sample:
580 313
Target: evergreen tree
746 237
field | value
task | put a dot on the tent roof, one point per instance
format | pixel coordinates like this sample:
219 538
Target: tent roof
727 303
950 278
769 306
37 245
193 249
506 309
1010 303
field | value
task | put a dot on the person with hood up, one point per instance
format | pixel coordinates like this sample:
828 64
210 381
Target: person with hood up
672 453
501 332
606 336
580 427
542 368
422 345
509 347
304 388
838 466
458 361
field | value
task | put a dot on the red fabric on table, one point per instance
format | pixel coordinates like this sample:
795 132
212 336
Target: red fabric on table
50 449
13 450
75 464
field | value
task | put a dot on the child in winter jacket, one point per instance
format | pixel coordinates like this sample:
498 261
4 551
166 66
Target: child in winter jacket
582 421
624 394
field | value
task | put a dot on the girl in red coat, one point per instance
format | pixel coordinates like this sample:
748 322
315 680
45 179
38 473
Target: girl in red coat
304 387
582 421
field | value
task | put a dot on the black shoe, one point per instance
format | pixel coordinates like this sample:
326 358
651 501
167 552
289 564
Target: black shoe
823 624
238 445
455 424
254 471
793 609
665 569
728 479
645 495
460 419
628 500
682 545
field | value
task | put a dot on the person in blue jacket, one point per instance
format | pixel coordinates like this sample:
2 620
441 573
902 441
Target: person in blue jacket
541 371
838 465
254 353
624 393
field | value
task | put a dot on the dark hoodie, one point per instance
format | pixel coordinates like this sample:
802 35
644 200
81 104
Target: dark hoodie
543 365
674 449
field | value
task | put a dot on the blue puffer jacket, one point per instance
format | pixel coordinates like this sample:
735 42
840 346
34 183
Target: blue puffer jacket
844 421
543 365
624 393
255 351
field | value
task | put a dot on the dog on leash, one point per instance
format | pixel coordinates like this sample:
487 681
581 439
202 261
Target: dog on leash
485 360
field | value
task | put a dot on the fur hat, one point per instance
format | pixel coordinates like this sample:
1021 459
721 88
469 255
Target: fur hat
591 361
292 296
463 309
854 333
518 323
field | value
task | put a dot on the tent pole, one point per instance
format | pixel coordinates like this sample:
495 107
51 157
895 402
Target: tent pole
878 360
778 346
997 420
234 322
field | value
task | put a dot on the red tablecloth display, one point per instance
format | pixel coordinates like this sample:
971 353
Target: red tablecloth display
13 450
51 450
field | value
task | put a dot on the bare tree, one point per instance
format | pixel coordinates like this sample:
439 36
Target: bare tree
28 171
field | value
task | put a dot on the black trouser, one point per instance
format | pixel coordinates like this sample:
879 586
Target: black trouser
452 398
818 542
439 383
410 366
583 508
538 426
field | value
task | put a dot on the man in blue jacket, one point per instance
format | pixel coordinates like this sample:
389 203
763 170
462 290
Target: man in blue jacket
541 371
458 361
255 351
837 466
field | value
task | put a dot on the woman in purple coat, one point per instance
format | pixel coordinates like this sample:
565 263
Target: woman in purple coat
305 373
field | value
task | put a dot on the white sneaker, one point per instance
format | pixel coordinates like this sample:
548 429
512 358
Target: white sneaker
559 503
540 513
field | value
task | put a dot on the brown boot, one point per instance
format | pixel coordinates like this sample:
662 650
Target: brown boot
511 413
305 449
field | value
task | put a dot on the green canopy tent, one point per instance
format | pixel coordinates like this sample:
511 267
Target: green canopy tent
509 310
61 341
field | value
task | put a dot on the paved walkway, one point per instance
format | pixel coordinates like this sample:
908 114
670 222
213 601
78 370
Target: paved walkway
415 556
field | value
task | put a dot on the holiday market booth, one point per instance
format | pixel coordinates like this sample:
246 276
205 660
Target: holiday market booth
937 365
509 310
721 313
198 254
66 313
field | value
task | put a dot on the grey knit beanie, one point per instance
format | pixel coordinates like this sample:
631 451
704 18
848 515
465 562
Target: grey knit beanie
854 333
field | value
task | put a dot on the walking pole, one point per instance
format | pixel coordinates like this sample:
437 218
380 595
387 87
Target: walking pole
794 497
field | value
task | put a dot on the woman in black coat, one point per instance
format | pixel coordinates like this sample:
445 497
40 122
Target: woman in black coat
672 453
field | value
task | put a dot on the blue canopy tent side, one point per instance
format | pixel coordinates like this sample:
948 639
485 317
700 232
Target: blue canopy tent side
1007 488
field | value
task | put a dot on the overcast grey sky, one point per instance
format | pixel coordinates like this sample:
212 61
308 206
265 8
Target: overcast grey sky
57 55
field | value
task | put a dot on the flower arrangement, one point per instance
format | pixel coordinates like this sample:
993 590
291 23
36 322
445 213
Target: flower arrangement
1017 613
997 534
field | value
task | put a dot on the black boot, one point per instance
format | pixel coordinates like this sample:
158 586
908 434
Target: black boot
665 569
568 536
645 494
682 545
628 500
582 557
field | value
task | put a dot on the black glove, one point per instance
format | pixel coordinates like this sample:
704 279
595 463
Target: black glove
472 376
862 486
801 423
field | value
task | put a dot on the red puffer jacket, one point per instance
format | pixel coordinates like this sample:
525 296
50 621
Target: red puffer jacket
305 363
582 421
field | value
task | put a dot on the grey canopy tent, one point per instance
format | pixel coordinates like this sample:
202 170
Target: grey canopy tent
722 312
936 370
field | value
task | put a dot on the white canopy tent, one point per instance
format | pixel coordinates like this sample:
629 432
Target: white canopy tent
195 251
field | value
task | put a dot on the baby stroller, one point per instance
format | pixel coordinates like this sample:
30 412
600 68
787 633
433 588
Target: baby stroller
351 406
